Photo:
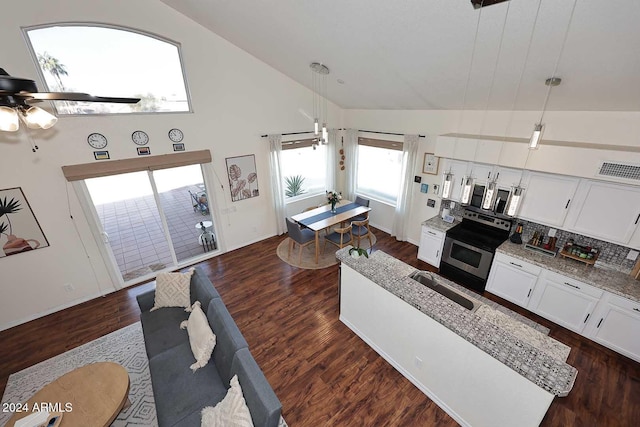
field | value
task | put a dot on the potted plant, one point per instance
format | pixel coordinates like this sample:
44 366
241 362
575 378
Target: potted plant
358 252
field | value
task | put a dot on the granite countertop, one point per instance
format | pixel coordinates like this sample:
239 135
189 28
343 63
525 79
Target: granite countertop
439 224
526 350
610 280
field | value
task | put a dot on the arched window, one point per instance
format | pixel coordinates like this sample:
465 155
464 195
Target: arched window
113 61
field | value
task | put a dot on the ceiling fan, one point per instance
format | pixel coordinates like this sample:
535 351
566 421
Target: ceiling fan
17 94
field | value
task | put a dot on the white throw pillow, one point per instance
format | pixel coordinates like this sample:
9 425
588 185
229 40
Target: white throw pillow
201 336
232 411
172 290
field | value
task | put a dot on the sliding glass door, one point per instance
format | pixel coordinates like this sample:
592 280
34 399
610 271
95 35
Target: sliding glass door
153 220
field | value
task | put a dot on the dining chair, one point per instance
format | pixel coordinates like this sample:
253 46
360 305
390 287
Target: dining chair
301 236
362 202
338 238
360 230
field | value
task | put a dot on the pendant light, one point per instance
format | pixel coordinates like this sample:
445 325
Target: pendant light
467 180
490 194
550 82
513 202
319 74
447 185
467 190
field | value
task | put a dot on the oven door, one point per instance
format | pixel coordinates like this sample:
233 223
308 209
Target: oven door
467 257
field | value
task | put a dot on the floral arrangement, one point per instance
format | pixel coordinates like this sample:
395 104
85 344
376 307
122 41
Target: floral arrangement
333 197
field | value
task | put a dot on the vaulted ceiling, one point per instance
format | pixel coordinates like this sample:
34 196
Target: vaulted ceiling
417 54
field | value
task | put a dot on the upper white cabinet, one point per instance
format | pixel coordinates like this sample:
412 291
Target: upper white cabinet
605 211
547 198
508 177
459 169
481 173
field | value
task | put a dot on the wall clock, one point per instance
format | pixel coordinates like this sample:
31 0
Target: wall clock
140 137
97 140
176 135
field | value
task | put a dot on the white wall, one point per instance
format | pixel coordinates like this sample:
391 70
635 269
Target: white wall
612 128
235 97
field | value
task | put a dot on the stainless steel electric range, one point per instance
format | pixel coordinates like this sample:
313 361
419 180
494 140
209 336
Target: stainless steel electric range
469 247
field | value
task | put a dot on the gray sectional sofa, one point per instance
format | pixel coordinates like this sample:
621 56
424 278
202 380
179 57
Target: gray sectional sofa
181 394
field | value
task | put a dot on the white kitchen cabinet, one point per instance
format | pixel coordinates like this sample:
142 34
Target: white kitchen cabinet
508 177
605 211
565 301
616 324
431 243
512 279
459 169
481 173
547 198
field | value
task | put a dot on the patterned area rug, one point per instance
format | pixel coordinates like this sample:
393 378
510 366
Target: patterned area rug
327 258
125 346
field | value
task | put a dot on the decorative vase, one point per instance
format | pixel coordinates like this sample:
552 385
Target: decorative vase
16 245
333 207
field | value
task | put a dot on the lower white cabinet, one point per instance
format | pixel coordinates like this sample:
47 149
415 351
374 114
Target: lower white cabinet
608 319
431 244
512 279
616 324
565 301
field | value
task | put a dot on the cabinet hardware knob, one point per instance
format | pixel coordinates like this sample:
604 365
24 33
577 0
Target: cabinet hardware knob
599 322
636 309
529 294
431 232
513 263
587 318
637 218
573 286
437 253
567 205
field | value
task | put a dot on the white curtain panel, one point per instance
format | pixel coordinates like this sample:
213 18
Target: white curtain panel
275 164
331 159
351 163
403 205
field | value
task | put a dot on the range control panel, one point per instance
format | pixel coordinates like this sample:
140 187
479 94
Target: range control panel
487 219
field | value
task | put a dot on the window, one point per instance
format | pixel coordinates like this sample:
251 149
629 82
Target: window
108 61
379 169
303 169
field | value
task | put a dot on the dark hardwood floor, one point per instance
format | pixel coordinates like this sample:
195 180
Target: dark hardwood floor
321 371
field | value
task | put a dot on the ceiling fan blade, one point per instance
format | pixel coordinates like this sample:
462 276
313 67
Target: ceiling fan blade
32 97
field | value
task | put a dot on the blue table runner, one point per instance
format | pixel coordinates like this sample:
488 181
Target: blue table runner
327 214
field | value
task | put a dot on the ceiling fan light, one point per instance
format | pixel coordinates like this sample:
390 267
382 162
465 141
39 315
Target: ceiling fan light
37 118
8 119
535 136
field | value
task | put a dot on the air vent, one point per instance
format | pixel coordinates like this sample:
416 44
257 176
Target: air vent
620 170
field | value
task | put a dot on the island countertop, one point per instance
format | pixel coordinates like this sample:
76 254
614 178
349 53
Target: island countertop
542 364
610 280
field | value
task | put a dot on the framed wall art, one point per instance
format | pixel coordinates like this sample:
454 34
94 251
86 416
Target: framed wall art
19 228
430 164
243 179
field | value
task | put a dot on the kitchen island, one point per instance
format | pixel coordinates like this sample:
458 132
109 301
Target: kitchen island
480 373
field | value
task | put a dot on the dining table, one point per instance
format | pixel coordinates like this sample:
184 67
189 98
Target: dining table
321 218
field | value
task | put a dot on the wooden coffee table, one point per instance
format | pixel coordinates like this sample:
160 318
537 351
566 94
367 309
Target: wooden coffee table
92 395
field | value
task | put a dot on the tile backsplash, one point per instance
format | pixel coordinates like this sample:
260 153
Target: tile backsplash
611 255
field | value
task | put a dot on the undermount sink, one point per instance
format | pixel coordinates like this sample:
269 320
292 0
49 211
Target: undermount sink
427 280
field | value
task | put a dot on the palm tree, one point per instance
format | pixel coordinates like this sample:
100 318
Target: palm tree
53 66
